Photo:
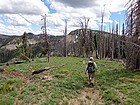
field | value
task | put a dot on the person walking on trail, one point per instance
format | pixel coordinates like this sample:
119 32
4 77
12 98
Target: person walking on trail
91 68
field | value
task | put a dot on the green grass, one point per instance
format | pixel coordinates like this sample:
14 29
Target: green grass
67 81
117 85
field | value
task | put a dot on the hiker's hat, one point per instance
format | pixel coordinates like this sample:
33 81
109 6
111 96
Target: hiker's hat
91 58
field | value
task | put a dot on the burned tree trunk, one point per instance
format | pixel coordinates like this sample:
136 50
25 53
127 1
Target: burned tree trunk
45 69
84 36
133 35
47 47
65 40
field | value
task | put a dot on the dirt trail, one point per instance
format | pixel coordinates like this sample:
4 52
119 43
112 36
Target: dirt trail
88 96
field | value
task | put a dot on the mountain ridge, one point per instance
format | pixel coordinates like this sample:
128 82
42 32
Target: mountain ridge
37 42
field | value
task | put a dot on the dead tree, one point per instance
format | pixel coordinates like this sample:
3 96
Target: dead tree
46 69
117 42
47 49
101 41
133 35
122 43
65 40
112 42
84 36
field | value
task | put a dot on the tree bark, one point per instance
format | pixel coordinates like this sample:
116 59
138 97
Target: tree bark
45 69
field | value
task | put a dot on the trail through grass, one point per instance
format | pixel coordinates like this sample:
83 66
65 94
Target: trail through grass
68 85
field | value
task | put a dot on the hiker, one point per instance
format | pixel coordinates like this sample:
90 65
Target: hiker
91 68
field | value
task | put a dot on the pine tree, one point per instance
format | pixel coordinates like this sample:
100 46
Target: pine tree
24 47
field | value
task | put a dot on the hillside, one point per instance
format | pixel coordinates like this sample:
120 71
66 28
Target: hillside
10 42
6 40
74 44
68 85
8 45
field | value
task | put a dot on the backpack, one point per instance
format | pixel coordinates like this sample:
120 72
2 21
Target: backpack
91 67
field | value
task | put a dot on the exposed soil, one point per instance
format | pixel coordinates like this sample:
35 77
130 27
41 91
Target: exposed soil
18 74
88 96
12 73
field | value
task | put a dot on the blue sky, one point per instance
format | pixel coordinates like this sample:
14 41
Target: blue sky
18 16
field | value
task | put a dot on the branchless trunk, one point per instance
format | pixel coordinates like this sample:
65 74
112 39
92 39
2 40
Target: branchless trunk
133 34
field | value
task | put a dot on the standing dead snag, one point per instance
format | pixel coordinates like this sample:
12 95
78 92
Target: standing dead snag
84 44
45 69
133 34
65 40
101 35
47 49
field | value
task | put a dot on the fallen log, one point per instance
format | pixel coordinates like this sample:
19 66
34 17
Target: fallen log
45 69
16 62
11 63
1 64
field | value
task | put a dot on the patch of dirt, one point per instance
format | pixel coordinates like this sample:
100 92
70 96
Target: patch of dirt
41 76
18 102
18 74
88 96
47 77
12 73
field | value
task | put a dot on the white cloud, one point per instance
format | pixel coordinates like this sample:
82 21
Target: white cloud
54 20
17 20
18 30
76 9
14 30
34 7
78 3
33 19
18 16
54 31
89 8
26 13
113 5
93 24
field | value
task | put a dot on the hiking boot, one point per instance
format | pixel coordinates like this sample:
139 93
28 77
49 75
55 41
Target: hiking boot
92 84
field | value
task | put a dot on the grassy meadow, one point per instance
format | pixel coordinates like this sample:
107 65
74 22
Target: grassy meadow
58 86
